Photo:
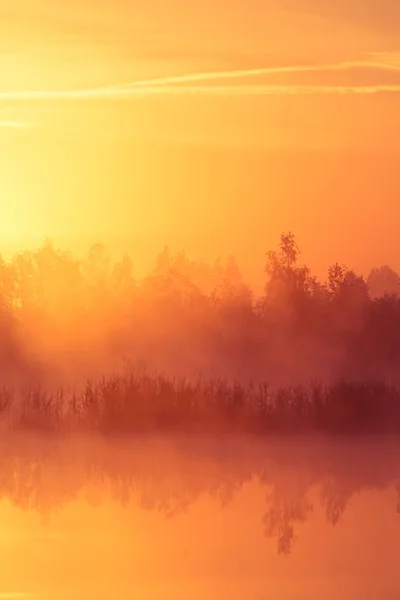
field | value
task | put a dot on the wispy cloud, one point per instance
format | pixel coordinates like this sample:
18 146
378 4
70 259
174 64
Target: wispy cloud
386 65
12 125
14 596
271 90
132 91
192 84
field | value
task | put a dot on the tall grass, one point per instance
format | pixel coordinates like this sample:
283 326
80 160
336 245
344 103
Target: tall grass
140 402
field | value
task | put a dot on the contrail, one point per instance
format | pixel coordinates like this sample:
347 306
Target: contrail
220 90
184 85
246 73
257 90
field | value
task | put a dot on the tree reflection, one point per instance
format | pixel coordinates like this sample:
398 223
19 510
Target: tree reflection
334 499
398 497
42 475
281 518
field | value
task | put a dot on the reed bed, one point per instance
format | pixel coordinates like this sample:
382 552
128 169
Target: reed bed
136 402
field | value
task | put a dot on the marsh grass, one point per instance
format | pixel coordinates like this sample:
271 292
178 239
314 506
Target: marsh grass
139 402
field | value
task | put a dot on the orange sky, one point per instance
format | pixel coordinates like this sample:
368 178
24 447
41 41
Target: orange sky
208 126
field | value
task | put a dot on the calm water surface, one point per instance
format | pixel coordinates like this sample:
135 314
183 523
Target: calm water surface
200 518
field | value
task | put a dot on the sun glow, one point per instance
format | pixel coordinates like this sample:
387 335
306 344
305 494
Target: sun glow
21 218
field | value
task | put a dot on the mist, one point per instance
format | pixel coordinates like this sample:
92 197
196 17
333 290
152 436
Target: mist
64 320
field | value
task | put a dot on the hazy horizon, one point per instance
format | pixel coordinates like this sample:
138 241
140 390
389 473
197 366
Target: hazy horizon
208 129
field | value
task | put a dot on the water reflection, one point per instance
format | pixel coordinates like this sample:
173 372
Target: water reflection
170 475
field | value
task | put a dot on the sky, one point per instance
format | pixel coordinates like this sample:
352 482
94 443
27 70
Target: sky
209 127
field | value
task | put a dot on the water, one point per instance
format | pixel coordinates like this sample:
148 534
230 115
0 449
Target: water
200 518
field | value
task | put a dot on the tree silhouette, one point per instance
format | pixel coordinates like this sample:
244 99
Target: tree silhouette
383 280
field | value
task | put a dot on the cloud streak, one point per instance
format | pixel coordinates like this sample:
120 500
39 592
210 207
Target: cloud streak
390 66
192 90
191 84
275 90
12 125
14 596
